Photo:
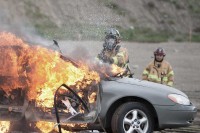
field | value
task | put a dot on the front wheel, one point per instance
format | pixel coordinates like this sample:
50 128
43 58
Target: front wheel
132 117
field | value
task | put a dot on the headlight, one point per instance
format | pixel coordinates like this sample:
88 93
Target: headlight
179 99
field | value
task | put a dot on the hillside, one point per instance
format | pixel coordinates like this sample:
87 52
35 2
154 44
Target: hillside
138 20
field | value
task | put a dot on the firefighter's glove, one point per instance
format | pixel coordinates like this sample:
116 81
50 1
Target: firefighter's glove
111 60
105 59
108 60
100 56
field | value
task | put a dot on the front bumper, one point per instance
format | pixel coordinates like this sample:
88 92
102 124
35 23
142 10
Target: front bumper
175 116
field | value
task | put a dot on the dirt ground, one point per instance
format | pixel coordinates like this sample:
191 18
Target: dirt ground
184 58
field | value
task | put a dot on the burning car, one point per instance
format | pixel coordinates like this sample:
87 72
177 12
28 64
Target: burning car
40 86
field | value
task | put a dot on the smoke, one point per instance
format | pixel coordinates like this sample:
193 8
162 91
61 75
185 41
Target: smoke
81 53
26 32
17 21
21 27
29 34
85 53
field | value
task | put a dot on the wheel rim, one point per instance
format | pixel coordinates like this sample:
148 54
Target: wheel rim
135 121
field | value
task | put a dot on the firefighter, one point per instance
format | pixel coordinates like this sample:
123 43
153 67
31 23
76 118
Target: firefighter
112 52
159 70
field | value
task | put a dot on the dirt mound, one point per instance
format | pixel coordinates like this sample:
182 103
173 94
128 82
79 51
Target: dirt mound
88 19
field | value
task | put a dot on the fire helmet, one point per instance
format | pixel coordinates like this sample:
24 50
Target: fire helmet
112 38
159 51
112 32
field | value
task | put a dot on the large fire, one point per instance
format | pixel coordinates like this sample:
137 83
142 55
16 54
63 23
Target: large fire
40 71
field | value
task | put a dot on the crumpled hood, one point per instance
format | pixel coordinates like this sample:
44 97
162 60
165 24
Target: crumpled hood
149 85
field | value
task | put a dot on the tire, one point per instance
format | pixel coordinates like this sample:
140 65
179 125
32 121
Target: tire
132 117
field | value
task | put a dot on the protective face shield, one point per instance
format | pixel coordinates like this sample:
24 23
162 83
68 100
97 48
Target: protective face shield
113 33
110 43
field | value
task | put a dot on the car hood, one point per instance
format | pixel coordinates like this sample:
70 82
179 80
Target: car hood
149 85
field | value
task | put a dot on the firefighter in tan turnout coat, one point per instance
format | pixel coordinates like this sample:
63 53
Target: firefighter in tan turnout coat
112 52
159 70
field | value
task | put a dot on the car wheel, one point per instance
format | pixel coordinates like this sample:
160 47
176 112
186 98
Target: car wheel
132 117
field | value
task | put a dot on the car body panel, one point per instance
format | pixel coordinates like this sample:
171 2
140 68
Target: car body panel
125 87
154 93
175 116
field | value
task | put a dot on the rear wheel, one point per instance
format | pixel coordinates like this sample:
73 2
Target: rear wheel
132 117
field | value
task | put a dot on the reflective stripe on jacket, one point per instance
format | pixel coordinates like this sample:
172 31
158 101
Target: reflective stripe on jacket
119 55
163 74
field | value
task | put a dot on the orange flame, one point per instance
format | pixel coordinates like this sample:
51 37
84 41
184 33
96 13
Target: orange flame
117 70
92 97
43 69
47 127
10 48
107 70
4 126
